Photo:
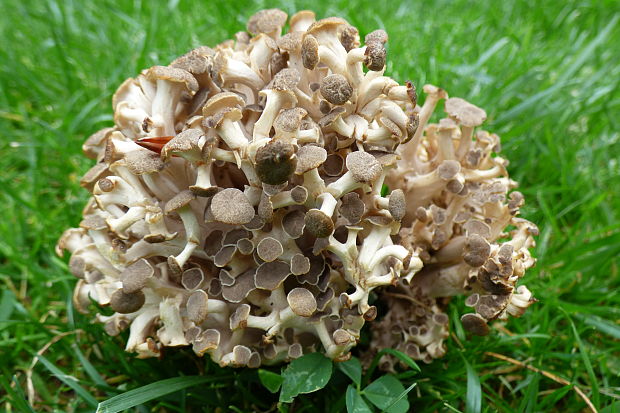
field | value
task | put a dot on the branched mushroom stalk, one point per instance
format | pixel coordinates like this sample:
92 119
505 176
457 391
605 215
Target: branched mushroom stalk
239 206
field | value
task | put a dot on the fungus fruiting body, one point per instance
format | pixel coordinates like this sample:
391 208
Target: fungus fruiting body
268 197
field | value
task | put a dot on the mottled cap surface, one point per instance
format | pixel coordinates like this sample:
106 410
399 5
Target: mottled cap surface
309 157
464 112
336 89
231 206
173 74
275 162
134 276
363 166
286 79
126 303
301 301
143 162
180 200
267 21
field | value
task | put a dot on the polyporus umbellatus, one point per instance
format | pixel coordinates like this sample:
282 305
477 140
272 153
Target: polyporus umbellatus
251 197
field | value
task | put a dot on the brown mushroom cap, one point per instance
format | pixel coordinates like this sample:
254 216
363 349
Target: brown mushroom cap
397 204
231 206
97 172
464 112
286 79
295 350
364 167
198 306
142 161
490 306
221 101
289 120
309 51
242 286
183 142
448 169
180 200
275 162
93 222
336 89
173 74
239 319
195 61
300 264
269 249
192 278
378 35
475 324
350 38
94 141
352 207
290 42
126 303
375 56
106 185
331 117
293 223
270 275
309 157
318 223
477 250
135 275
267 21
301 301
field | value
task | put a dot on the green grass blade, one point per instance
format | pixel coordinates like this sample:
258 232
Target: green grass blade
473 401
69 381
586 362
153 391
17 396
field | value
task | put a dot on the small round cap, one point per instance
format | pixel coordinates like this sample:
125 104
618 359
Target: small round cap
231 206
335 89
301 301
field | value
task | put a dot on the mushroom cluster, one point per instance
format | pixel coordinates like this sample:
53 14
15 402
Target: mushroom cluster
256 199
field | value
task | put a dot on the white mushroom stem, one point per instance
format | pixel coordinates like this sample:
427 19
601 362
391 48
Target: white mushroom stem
377 135
119 225
171 334
331 60
203 175
314 184
372 87
263 323
260 54
141 328
328 203
232 133
308 135
276 100
410 150
355 71
192 230
345 184
236 71
397 251
342 127
156 224
375 239
465 141
446 147
164 105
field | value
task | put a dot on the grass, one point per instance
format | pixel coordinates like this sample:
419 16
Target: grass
548 75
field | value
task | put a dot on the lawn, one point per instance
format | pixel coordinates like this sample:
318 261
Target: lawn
548 75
